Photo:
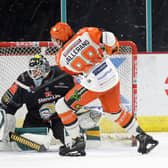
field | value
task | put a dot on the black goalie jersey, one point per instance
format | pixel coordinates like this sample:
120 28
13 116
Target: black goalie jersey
19 94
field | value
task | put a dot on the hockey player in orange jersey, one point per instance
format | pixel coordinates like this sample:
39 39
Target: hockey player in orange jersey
86 54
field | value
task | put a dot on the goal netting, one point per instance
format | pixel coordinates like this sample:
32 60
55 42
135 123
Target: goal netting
14 58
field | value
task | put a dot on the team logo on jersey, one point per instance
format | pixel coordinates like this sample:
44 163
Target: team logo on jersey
76 96
13 88
100 68
47 94
104 75
78 93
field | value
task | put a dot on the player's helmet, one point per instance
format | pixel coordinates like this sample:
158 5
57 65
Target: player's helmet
61 32
38 67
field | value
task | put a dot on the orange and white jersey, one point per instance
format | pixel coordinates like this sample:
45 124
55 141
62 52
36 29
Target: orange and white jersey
84 50
83 54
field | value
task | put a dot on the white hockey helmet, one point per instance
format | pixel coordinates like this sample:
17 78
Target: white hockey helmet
38 67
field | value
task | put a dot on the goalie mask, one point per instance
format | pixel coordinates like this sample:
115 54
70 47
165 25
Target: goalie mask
38 67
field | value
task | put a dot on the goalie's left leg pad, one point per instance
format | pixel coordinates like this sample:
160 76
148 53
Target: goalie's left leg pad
2 122
93 133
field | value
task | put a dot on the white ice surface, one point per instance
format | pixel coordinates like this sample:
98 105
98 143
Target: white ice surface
111 155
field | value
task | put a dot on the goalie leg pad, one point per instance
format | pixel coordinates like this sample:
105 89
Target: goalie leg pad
2 117
26 142
2 122
40 135
7 124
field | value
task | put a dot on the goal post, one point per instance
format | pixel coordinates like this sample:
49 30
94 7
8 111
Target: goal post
14 57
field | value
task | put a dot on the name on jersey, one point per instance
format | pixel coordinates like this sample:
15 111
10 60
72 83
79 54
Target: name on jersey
100 68
74 49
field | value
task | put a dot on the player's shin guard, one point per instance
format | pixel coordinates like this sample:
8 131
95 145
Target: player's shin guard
129 123
73 129
70 121
125 120
77 145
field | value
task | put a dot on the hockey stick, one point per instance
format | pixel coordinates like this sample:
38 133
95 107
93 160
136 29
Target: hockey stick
48 83
24 141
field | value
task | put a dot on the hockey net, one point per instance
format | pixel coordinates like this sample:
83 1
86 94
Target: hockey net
14 57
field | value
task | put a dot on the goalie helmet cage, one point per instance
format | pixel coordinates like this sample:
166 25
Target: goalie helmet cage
14 57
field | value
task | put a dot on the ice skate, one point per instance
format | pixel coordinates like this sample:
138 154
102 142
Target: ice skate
77 148
146 142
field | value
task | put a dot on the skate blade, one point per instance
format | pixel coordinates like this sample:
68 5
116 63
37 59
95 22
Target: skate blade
74 154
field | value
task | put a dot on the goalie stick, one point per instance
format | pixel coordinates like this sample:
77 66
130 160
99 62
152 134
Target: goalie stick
24 141
48 83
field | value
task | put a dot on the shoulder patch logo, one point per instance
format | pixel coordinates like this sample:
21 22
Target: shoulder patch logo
13 88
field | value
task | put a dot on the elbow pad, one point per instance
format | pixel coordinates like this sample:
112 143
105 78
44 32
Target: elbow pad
110 42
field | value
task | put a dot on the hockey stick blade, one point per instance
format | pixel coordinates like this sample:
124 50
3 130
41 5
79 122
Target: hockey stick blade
48 83
24 141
